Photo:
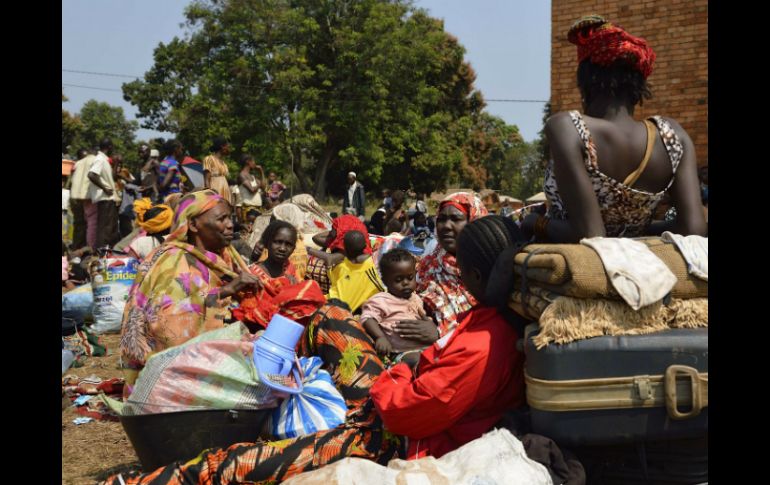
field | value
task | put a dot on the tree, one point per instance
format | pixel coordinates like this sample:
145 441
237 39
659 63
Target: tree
71 128
100 120
534 168
320 86
486 154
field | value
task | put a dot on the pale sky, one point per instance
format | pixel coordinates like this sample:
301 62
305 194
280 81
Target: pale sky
507 42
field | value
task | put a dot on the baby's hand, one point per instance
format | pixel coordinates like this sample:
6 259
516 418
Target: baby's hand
383 346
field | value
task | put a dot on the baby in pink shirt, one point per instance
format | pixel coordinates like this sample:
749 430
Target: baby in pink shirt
384 310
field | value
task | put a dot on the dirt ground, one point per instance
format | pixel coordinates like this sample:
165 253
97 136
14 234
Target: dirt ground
93 451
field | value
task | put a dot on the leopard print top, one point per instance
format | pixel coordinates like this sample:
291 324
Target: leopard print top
626 212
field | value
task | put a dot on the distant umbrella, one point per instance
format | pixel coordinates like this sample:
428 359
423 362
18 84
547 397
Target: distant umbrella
193 170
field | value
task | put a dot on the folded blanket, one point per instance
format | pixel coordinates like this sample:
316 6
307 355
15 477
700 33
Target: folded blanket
576 270
635 272
533 304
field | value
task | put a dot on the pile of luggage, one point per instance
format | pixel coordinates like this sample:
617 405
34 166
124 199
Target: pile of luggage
628 395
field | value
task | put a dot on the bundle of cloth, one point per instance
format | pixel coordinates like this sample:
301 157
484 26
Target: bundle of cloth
612 286
301 211
211 371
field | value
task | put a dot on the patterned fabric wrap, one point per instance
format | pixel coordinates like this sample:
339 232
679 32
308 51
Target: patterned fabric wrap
159 223
384 245
318 272
67 227
176 292
319 406
212 371
469 203
438 277
626 212
316 218
293 298
190 206
604 44
292 214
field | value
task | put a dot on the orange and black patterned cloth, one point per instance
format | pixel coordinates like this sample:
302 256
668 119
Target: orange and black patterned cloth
350 358
318 272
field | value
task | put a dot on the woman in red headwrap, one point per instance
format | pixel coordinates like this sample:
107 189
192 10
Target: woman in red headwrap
438 276
609 171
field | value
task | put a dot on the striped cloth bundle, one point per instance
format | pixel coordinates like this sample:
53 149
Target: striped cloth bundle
319 406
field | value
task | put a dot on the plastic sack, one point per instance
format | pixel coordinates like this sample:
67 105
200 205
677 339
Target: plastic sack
212 371
111 284
319 406
78 304
67 358
497 458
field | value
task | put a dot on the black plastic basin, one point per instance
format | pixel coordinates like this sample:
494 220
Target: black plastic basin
160 439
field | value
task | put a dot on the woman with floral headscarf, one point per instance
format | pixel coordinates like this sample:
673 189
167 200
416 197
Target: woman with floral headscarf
608 171
438 277
184 287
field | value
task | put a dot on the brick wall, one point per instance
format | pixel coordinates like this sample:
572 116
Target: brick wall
678 32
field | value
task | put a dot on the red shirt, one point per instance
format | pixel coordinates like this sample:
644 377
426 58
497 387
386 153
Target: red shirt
465 381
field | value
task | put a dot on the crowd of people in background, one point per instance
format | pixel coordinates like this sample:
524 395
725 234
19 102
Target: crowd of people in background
99 191
405 285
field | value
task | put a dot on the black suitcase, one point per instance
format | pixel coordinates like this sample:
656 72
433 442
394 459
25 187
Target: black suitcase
673 462
625 389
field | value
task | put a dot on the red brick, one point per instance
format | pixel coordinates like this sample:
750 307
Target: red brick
676 29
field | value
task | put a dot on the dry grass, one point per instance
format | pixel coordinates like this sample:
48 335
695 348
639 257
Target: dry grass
95 450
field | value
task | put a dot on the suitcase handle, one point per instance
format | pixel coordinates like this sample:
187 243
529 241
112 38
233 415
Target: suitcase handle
699 387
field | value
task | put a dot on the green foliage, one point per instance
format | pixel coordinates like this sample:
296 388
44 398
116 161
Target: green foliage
71 127
98 120
325 86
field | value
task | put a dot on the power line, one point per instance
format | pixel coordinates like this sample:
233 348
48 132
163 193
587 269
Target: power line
91 87
109 74
515 101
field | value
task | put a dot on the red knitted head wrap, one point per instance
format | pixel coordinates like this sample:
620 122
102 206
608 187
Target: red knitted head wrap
603 44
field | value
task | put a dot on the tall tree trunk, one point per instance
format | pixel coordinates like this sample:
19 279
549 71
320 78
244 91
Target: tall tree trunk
320 174
305 183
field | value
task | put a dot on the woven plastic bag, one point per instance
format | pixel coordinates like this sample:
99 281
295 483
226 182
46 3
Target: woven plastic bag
111 285
319 406
214 370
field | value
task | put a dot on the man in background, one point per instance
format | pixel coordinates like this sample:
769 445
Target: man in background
354 202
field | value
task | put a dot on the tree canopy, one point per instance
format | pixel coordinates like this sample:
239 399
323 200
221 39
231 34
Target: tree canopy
326 86
98 120
71 127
